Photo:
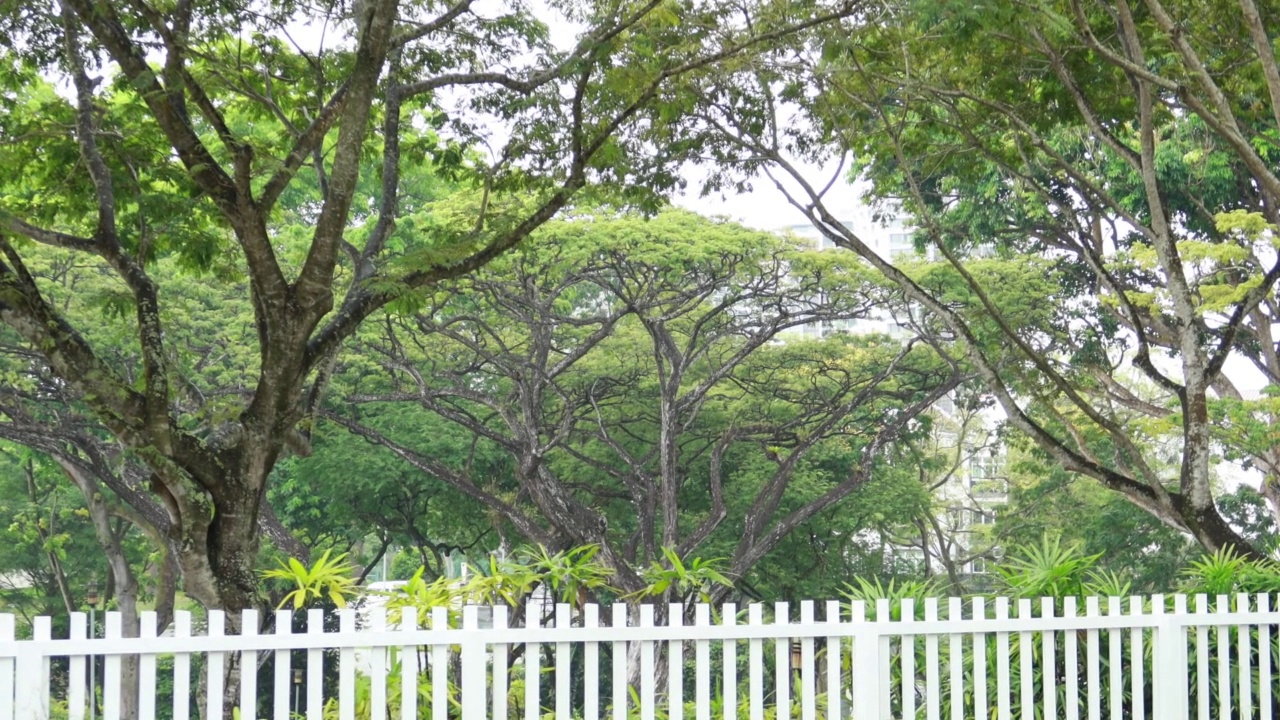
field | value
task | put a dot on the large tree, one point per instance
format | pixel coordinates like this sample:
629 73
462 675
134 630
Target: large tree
203 131
650 386
1128 149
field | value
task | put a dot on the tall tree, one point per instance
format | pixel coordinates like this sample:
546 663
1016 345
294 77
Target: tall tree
202 130
1127 148
639 376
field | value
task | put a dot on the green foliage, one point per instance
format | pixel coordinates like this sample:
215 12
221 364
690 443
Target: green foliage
326 578
1227 572
694 580
1048 570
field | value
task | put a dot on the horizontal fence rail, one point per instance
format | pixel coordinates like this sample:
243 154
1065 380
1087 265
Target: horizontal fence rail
1141 657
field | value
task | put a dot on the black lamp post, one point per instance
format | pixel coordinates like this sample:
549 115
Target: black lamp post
297 691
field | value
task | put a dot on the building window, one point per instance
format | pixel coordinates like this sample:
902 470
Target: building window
984 517
978 566
900 244
986 477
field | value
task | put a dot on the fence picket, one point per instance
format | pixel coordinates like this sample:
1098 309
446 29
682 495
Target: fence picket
113 629
1224 659
782 662
675 665
1245 655
378 666
563 661
1071 660
1048 663
315 667
621 696
1093 682
647 679
729 618
933 699
500 684
882 678
1202 660
979 610
33 676
181 668
409 665
7 668
908 660
249 667
283 668
472 682
346 668
590 667
147 667
1113 644
755 667
1026 697
702 665
76 677
1136 661
955 656
1264 660
440 668
1002 663
214 670
808 688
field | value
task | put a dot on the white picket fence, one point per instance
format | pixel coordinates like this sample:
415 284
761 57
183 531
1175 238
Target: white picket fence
1157 657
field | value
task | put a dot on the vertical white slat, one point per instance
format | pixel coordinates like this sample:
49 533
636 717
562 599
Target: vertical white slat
621 695
1117 681
933 691
865 678
590 666
647 680
1002 663
883 677
409 670
215 671
1245 650
835 688
755 664
1171 695
955 657
1071 660
147 666
346 667
7 668
729 618
702 665
315 667
1026 671
473 683
1048 662
1202 659
1137 682
979 610
532 665
782 660
32 687
908 615
1224 659
111 669
808 682
440 667
1264 660
675 665
248 666
76 676
564 668
1092 671
500 684
182 668
282 672
377 666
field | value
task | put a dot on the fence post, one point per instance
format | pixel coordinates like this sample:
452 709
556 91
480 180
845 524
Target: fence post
33 674
866 665
472 693
1171 687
